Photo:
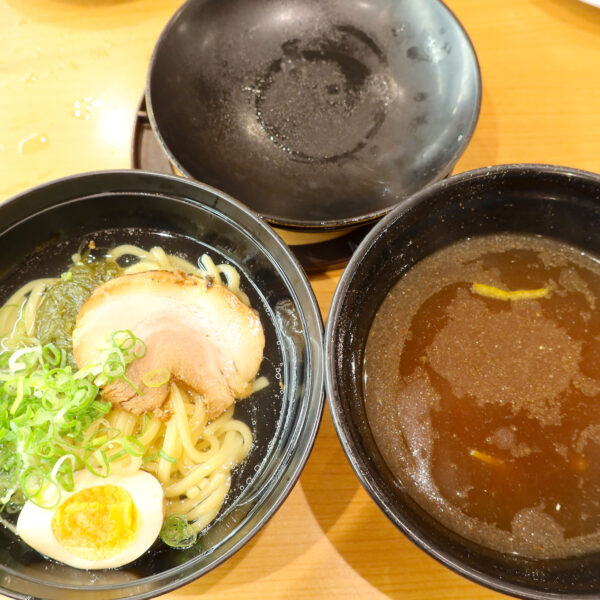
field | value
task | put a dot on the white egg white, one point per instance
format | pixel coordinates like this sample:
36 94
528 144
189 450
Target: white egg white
35 523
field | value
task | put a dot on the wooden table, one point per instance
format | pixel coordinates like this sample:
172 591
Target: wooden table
71 75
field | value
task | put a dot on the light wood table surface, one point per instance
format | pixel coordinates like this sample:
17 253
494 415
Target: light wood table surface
71 75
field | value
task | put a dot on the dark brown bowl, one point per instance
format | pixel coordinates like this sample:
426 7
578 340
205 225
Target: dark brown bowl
557 202
317 115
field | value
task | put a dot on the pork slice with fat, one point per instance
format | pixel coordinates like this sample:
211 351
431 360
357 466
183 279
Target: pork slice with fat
197 330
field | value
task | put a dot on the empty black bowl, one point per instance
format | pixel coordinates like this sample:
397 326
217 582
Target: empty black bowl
39 232
317 115
557 202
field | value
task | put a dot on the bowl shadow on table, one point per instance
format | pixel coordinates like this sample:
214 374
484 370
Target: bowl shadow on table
217 576
328 481
361 534
327 475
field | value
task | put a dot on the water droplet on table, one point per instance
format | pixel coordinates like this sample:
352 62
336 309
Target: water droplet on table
33 143
84 109
29 78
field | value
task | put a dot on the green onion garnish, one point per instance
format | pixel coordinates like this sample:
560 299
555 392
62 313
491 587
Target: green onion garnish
133 446
46 410
44 413
156 377
167 457
178 533
124 348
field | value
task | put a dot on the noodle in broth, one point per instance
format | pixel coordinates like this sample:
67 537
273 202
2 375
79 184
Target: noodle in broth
191 457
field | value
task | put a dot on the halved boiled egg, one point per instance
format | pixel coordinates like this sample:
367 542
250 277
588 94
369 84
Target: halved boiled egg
103 523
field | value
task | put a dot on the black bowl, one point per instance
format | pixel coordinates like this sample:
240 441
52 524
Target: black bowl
557 202
43 227
317 115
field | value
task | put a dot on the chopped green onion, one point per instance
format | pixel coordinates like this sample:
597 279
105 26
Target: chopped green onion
60 380
178 533
164 455
51 356
43 499
84 395
124 348
32 482
63 470
102 459
114 366
117 456
133 446
102 436
156 377
123 339
132 385
142 349
44 412
101 406
18 396
150 457
46 450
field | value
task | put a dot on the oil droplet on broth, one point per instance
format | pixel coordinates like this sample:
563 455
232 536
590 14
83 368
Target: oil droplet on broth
33 143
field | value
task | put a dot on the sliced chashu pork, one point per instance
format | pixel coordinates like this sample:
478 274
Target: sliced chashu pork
199 331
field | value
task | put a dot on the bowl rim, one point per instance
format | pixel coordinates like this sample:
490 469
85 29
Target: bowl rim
341 423
314 396
330 224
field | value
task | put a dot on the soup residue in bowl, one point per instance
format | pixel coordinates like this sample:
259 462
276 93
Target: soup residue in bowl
482 390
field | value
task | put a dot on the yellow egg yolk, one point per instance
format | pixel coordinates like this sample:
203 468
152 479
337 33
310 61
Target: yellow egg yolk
96 523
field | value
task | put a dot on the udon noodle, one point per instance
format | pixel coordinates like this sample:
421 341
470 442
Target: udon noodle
190 456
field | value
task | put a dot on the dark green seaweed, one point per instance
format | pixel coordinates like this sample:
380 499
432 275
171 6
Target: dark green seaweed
57 313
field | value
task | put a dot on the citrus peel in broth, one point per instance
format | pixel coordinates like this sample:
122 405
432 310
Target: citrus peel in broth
491 291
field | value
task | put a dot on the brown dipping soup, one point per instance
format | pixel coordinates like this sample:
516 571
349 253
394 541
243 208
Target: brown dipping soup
485 403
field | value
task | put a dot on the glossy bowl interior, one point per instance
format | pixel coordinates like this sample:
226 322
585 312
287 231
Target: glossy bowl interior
317 115
43 227
557 202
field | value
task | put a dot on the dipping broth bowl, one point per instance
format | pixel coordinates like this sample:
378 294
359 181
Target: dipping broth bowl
40 231
556 202
319 116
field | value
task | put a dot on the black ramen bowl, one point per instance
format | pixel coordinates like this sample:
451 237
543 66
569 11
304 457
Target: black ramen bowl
557 202
43 227
321 115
